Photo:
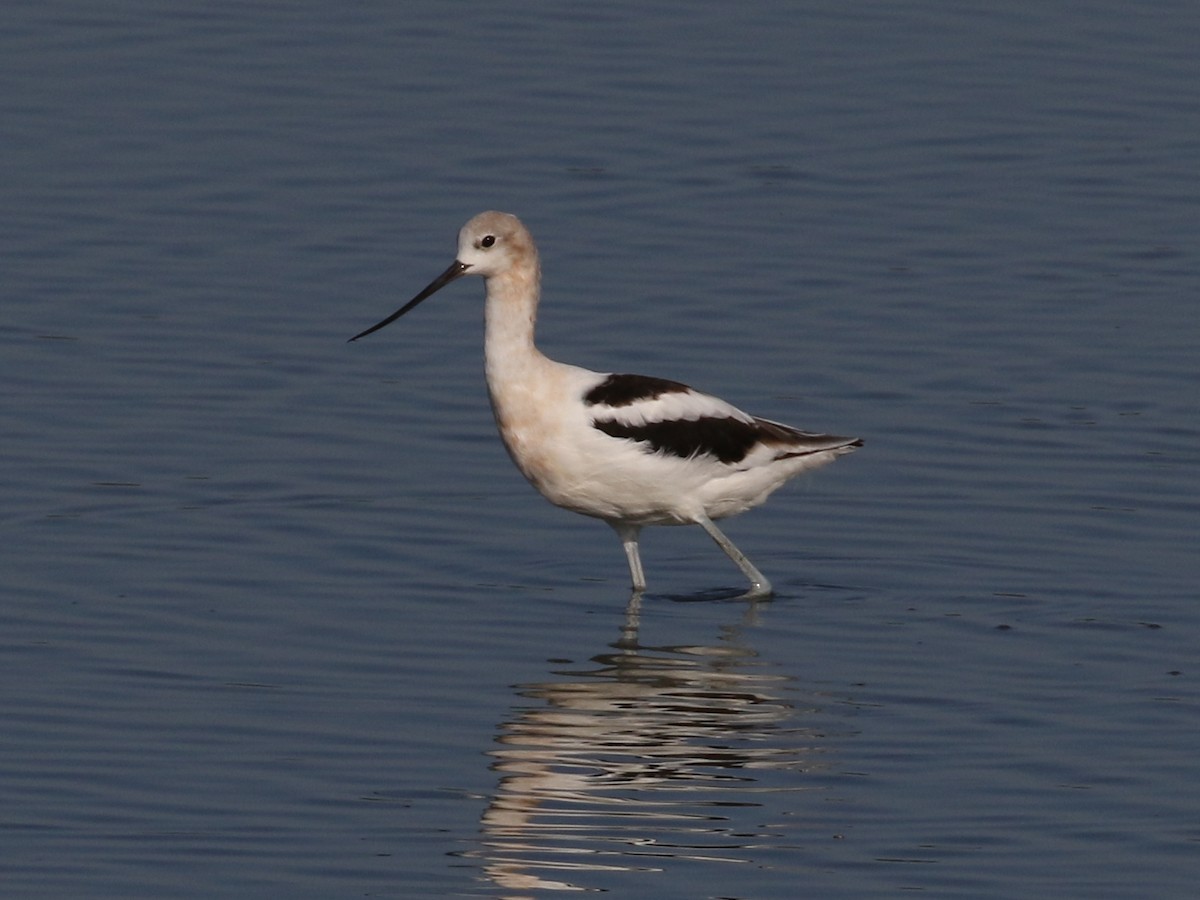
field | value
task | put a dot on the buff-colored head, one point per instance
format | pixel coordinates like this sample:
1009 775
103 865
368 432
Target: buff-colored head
492 243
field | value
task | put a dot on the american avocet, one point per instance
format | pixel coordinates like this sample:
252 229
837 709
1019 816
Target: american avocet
629 449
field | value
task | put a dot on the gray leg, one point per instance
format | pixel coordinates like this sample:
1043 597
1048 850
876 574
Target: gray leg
760 587
629 540
629 628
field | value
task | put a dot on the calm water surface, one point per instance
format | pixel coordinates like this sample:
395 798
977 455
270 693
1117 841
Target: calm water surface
278 617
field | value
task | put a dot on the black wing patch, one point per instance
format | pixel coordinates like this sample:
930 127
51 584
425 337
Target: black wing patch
726 439
729 440
623 390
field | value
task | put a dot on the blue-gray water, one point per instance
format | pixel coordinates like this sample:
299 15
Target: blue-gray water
279 618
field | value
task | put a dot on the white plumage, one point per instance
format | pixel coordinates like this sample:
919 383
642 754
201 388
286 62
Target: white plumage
629 449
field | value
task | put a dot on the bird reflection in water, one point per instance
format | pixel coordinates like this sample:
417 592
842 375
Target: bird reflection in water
646 757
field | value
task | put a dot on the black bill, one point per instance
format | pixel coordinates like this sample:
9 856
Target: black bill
456 269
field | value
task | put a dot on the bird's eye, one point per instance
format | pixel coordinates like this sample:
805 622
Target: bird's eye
487 240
